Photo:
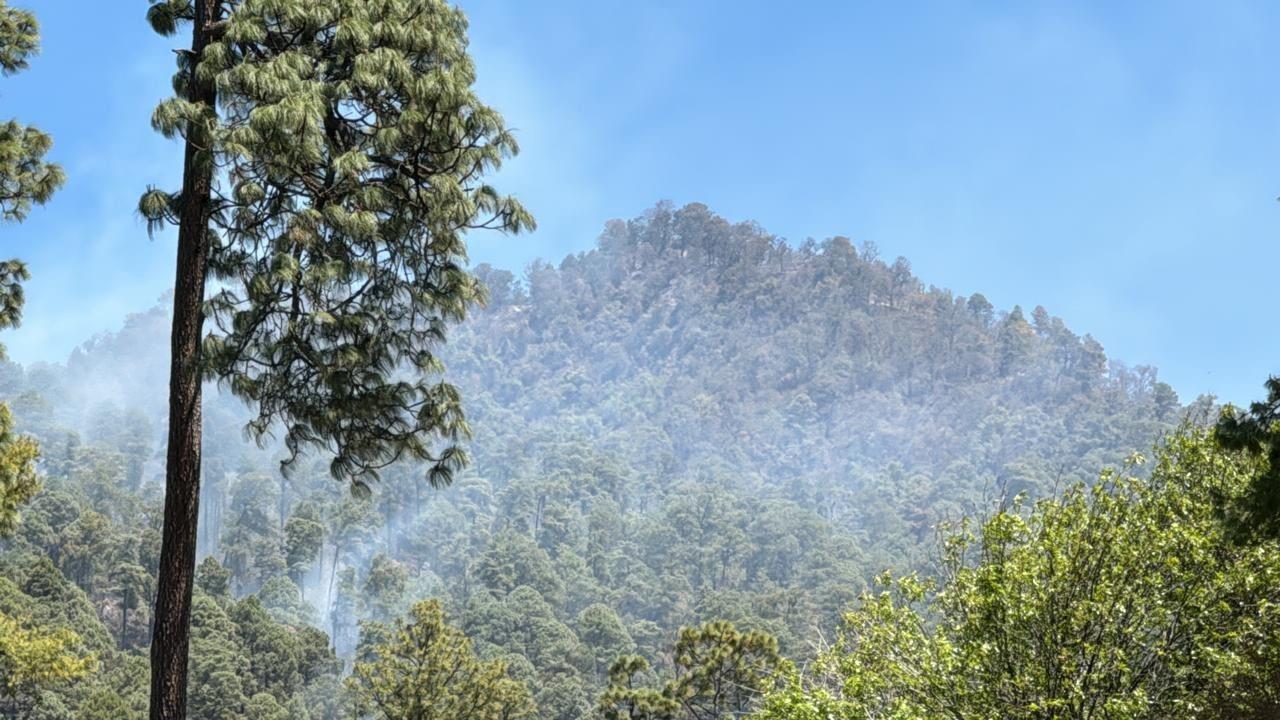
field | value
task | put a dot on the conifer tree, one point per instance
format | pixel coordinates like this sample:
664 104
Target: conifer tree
426 670
720 673
627 699
334 155
1015 341
25 179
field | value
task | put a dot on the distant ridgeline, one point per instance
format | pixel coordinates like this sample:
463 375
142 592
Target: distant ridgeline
694 421
685 346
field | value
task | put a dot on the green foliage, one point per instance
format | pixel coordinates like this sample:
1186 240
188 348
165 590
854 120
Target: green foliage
659 442
304 537
600 628
350 148
384 588
213 578
25 177
1256 431
244 662
425 670
19 38
134 585
219 668
689 349
12 274
273 650
628 699
34 660
19 480
1123 600
31 661
720 673
283 601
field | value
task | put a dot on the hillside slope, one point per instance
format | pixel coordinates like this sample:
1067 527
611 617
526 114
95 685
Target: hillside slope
693 420
687 346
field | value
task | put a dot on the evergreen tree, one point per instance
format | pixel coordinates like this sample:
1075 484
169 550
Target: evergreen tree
303 538
720 673
384 588
425 670
1014 342
627 699
25 177
333 162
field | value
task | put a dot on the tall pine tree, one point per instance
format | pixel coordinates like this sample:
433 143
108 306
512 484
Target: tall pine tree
334 159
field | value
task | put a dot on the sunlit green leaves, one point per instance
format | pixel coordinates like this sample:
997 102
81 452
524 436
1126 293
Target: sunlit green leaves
1123 600
33 660
425 669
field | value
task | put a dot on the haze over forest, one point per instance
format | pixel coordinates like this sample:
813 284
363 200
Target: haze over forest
694 421
698 471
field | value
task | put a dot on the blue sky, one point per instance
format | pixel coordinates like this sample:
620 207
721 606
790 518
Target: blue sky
1118 163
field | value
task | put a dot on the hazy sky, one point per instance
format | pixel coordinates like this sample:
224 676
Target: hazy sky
1117 163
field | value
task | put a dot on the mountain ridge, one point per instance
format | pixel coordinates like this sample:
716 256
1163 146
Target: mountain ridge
694 421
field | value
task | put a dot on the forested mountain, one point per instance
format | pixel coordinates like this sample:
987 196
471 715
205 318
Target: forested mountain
694 421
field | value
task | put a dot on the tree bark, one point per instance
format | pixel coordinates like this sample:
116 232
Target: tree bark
171 632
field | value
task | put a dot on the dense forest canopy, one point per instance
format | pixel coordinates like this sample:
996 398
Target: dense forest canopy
695 421
698 472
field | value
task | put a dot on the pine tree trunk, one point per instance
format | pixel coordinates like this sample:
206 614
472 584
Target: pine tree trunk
171 633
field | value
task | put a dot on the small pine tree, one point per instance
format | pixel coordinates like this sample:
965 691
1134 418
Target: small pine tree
720 673
424 669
